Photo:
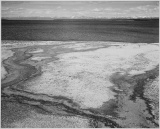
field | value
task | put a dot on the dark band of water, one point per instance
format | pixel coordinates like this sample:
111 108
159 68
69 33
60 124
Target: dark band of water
134 31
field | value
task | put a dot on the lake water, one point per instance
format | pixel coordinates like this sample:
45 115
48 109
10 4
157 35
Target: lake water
134 31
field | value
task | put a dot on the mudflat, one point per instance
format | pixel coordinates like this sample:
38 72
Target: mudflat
79 84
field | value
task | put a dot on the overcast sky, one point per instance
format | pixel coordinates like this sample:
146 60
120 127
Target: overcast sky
74 9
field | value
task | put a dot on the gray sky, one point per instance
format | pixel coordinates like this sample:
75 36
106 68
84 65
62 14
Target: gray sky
97 9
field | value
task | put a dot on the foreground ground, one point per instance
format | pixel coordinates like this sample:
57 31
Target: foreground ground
79 84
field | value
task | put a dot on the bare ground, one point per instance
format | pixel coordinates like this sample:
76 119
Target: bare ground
23 105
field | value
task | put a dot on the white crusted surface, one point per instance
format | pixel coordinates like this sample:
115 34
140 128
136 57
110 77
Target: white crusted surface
39 58
37 51
51 121
84 76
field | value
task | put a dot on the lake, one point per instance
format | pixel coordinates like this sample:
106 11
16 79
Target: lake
134 31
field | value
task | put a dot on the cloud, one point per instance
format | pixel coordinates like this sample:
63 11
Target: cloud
145 8
156 9
78 9
111 9
59 7
91 8
97 10
5 8
143 11
80 13
106 9
142 8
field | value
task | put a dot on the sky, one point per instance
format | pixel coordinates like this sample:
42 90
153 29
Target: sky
80 9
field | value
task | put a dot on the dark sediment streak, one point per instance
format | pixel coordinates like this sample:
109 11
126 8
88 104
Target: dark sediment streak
133 88
24 71
139 90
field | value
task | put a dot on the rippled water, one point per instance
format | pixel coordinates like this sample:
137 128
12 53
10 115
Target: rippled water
136 31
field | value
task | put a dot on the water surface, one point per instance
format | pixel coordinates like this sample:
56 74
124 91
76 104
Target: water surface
135 31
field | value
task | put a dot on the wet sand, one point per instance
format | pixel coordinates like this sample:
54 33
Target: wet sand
56 83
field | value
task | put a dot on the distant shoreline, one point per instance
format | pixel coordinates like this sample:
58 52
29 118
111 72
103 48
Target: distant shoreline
68 19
